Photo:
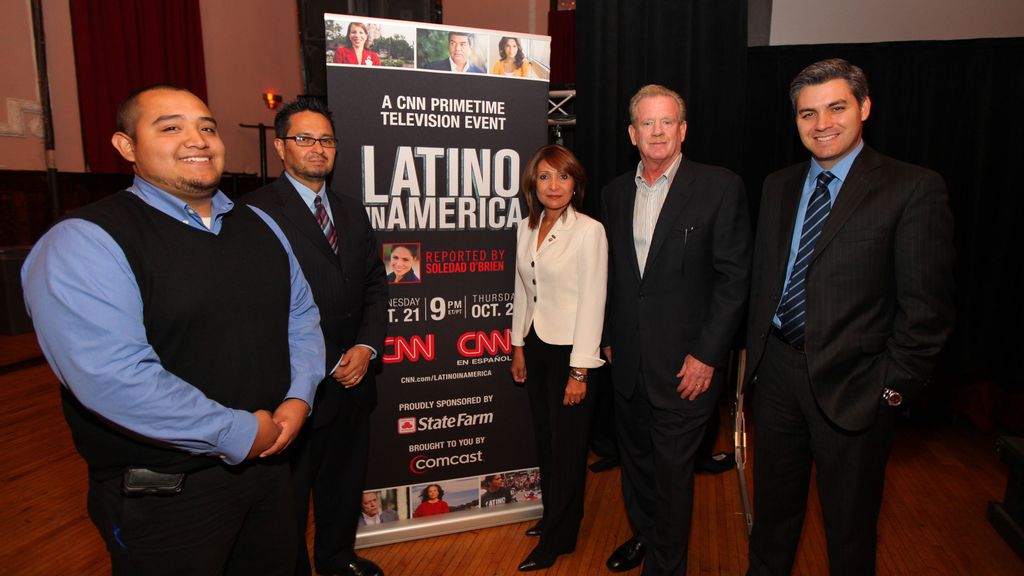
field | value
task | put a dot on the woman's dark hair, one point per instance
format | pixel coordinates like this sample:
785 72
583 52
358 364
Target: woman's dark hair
562 159
423 494
519 53
413 249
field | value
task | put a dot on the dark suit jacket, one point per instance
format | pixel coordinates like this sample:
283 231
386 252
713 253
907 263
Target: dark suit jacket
879 284
350 288
693 293
446 65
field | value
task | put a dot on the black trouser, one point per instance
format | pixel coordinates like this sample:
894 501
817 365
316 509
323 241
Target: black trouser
789 432
561 435
602 424
330 461
227 520
658 447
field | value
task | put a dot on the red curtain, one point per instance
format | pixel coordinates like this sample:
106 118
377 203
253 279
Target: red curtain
123 45
562 29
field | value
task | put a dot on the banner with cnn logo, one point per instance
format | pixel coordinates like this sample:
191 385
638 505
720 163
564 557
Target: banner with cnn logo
433 135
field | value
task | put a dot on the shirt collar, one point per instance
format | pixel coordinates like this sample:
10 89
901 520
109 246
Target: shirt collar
455 67
307 194
669 175
175 207
841 169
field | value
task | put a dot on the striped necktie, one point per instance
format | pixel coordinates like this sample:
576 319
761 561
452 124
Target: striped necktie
325 223
793 308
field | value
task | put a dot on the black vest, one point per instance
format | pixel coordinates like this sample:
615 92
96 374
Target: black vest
215 309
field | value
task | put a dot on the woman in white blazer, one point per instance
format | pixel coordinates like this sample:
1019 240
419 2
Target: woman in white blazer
557 317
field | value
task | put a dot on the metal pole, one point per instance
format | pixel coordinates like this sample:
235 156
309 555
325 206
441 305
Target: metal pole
740 440
263 148
263 154
44 100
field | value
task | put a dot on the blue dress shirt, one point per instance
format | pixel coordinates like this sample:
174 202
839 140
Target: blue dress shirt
841 170
87 311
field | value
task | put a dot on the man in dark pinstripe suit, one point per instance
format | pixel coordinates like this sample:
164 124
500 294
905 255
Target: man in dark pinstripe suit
340 257
851 302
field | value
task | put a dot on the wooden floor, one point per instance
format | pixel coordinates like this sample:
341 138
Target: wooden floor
933 522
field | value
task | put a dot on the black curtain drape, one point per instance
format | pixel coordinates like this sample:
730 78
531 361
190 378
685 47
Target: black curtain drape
695 47
950 106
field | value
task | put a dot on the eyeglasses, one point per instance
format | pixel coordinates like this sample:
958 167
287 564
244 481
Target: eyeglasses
307 141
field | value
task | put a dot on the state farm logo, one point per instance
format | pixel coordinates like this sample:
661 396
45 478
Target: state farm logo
406 425
410 424
420 464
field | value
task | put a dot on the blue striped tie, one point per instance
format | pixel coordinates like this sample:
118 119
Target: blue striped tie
793 308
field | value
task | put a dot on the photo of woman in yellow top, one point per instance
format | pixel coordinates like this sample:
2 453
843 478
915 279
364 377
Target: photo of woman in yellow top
512 62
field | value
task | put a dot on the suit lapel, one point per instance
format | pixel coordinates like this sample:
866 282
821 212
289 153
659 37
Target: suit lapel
792 188
341 232
678 197
302 218
625 199
859 182
557 231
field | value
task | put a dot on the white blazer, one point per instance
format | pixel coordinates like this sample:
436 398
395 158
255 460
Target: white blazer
561 287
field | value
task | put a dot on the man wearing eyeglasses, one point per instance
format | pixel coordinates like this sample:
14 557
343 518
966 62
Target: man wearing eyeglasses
334 244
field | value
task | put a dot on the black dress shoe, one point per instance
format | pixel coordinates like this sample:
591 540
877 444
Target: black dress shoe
603 464
535 530
627 556
716 463
358 567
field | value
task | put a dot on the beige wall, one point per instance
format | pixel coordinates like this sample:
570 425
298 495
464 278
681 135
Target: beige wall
845 21
21 134
248 52
530 16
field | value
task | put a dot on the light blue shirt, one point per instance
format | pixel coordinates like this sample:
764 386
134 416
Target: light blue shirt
87 311
309 195
841 170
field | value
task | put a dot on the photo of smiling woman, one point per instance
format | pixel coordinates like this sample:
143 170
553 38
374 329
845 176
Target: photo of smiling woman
357 40
557 317
512 61
402 262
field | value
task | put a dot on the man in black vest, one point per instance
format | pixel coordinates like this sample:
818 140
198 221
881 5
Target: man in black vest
188 361
333 241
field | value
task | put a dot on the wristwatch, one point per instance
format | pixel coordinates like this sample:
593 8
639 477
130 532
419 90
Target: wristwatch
892 397
577 375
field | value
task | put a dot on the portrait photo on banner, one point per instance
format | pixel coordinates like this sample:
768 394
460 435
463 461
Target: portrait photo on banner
382 506
509 487
519 57
434 498
443 49
353 42
402 262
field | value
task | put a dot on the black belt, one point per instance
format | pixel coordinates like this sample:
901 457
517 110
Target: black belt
777 333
